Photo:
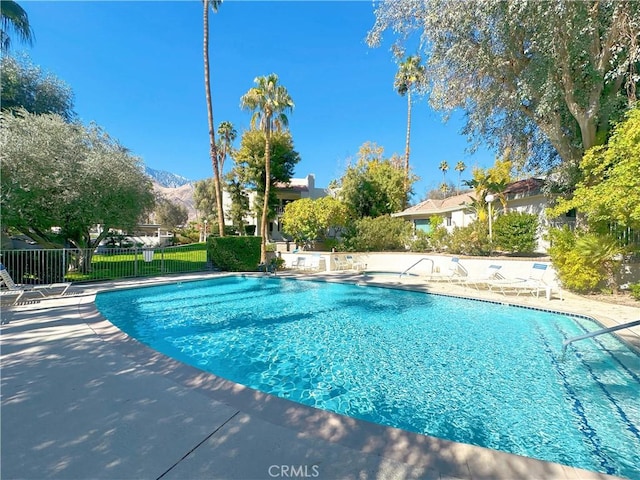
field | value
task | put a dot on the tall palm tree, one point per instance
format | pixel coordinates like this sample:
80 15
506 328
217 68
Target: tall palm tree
411 75
213 153
444 167
460 167
226 136
13 17
268 101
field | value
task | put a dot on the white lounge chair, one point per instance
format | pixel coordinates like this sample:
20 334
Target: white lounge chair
533 284
12 288
354 263
340 263
454 273
492 273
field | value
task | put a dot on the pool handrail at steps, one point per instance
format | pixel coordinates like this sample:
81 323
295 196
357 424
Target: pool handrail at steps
568 341
413 265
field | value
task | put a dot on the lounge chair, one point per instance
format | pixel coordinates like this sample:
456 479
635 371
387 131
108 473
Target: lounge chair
299 263
533 284
454 273
477 282
340 263
19 290
353 263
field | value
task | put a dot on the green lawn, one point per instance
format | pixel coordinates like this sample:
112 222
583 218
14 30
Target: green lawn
187 258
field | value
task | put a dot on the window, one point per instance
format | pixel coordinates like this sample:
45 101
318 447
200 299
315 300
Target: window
449 222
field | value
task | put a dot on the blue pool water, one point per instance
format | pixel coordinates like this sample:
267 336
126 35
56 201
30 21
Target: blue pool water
464 370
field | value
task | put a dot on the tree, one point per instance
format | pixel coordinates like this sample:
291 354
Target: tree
374 186
610 187
250 159
227 135
57 174
13 18
169 214
444 168
213 151
460 167
235 181
27 86
527 74
204 198
411 76
268 101
308 220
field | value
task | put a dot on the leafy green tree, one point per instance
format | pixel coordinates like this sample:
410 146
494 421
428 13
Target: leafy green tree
239 199
170 214
251 159
384 233
213 148
516 232
307 220
269 102
411 76
374 186
204 198
610 187
27 86
527 74
56 174
13 18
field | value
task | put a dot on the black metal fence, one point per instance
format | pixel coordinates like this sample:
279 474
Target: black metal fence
43 266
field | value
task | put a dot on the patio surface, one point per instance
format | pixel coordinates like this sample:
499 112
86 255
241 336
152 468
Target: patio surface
82 400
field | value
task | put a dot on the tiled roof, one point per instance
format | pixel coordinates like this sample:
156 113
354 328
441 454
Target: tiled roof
528 186
433 205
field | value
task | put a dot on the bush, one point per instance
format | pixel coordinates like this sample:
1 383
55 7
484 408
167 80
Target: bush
635 290
439 238
575 271
515 232
234 254
421 242
470 240
379 234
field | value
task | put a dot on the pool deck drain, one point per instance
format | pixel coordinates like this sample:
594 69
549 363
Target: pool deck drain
80 399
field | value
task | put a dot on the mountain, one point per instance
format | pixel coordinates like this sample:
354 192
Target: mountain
182 195
166 179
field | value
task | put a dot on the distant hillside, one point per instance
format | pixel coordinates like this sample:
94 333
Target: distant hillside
166 179
182 195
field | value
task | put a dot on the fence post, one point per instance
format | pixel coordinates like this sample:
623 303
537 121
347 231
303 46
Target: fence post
162 260
135 261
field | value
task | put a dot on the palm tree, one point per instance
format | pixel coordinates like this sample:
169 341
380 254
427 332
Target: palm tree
411 75
460 167
268 101
13 17
444 166
226 135
213 153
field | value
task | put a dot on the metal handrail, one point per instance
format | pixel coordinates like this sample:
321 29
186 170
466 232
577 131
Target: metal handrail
567 342
423 258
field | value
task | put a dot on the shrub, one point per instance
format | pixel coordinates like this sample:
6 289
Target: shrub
575 271
379 234
439 238
515 232
234 254
421 242
635 290
469 240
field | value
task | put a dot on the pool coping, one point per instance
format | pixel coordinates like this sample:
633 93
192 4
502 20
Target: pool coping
429 454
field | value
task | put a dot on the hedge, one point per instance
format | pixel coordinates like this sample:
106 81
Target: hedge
234 254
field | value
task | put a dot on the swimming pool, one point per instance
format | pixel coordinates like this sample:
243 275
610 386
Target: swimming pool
473 372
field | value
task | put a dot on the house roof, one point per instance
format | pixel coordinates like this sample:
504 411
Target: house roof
524 188
434 206
521 188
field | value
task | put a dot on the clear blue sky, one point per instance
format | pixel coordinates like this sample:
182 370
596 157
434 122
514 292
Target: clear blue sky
136 70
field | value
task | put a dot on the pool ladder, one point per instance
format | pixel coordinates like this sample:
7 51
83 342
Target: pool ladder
569 341
422 259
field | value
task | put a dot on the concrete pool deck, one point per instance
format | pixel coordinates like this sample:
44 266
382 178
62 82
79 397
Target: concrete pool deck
80 400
